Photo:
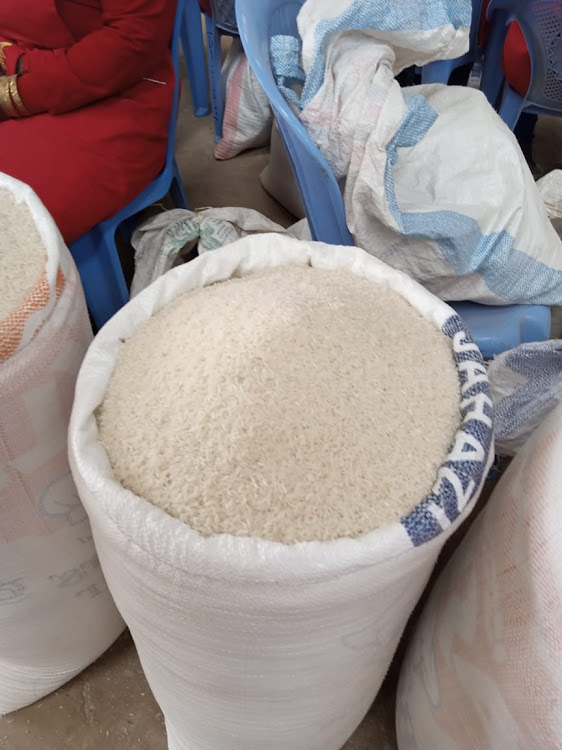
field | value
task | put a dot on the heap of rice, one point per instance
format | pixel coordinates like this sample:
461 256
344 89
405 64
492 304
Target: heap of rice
295 404
22 254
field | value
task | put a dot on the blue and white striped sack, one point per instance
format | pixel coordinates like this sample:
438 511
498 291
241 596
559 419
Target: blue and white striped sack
434 183
418 32
526 385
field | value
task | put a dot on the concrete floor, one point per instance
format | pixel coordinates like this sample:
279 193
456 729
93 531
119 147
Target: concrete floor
110 705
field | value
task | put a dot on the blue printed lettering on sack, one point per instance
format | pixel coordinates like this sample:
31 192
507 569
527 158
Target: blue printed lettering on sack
59 500
91 592
462 473
12 591
75 575
83 580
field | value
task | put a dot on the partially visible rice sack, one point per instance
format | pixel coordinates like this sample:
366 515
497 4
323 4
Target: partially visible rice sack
294 404
22 254
56 613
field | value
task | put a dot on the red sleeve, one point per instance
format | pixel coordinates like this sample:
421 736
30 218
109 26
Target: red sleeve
131 44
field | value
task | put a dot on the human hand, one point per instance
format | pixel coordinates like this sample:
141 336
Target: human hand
3 66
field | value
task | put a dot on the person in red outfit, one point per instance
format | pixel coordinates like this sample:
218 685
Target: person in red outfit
86 91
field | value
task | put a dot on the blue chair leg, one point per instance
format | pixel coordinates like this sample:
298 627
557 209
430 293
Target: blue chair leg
492 73
215 78
100 270
194 56
437 72
511 106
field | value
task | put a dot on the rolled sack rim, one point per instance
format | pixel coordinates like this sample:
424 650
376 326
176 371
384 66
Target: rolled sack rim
145 526
57 268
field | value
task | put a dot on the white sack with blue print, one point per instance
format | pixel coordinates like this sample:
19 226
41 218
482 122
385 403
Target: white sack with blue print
418 32
434 183
526 385
248 641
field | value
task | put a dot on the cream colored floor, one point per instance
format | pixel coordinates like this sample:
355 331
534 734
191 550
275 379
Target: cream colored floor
110 706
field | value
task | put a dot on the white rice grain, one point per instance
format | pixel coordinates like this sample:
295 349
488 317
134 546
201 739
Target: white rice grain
22 254
296 404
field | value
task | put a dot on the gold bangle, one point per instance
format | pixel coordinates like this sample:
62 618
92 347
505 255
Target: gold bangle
16 98
3 63
6 104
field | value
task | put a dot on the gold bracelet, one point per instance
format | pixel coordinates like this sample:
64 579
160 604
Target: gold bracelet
5 99
16 98
3 63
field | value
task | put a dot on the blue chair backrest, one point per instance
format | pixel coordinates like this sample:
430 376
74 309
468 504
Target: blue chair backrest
475 24
224 15
175 53
258 21
541 24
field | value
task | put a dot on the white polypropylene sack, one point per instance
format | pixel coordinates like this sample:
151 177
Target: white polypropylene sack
248 643
435 183
484 668
550 188
418 32
56 613
247 117
161 241
526 384
278 179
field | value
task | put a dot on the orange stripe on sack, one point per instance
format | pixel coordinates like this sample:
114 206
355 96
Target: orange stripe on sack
12 328
59 285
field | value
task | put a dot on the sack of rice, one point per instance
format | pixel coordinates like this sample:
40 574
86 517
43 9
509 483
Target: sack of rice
271 465
56 613
484 668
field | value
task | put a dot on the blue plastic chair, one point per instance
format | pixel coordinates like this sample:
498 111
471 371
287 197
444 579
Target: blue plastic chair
222 22
95 253
495 329
440 70
194 57
541 24
318 187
